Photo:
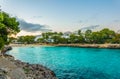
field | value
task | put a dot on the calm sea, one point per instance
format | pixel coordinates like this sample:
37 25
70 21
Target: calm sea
73 62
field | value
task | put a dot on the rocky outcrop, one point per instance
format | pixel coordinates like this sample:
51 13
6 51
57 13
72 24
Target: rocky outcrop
5 49
9 70
35 71
3 74
15 69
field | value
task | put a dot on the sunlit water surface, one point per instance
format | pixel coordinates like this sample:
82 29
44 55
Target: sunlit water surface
73 62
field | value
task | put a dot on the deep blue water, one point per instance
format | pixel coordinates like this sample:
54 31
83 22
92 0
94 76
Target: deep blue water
73 62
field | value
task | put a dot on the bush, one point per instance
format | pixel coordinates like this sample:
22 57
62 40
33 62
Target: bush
1 42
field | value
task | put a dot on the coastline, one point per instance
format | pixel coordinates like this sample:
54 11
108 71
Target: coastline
110 46
15 69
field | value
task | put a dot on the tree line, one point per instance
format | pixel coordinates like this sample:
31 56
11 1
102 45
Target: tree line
88 37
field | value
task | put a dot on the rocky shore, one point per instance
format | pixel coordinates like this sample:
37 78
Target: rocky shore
15 69
111 46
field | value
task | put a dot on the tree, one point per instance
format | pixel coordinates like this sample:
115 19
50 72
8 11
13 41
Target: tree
88 36
73 38
79 32
56 39
12 39
8 25
63 40
96 37
1 42
116 39
107 35
81 39
41 40
26 39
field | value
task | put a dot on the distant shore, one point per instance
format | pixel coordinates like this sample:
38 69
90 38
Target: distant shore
112 46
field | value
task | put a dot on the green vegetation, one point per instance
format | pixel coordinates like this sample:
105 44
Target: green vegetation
1 42
8 26
26 39
100 37
88 37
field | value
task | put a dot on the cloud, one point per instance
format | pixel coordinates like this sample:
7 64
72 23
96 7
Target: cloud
90 27
116 21
80 21
37 17
31 27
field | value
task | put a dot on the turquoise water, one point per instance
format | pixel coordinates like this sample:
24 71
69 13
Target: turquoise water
73 62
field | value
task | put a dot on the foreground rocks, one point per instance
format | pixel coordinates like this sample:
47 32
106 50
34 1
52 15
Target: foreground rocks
8 70
35 71
15 69
5 49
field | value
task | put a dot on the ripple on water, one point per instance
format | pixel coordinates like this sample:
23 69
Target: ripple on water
84 73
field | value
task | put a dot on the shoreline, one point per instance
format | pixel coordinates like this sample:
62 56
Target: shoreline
110 46
107 46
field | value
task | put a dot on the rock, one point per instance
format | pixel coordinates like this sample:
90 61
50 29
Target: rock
3 74
17 73
5 49
32 71
8 70
15 69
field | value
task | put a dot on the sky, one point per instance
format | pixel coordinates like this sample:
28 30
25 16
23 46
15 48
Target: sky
36 16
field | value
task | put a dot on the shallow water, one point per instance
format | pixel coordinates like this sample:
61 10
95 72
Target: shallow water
73 62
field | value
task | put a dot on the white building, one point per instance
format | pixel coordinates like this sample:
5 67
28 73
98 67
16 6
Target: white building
37 37
66 34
